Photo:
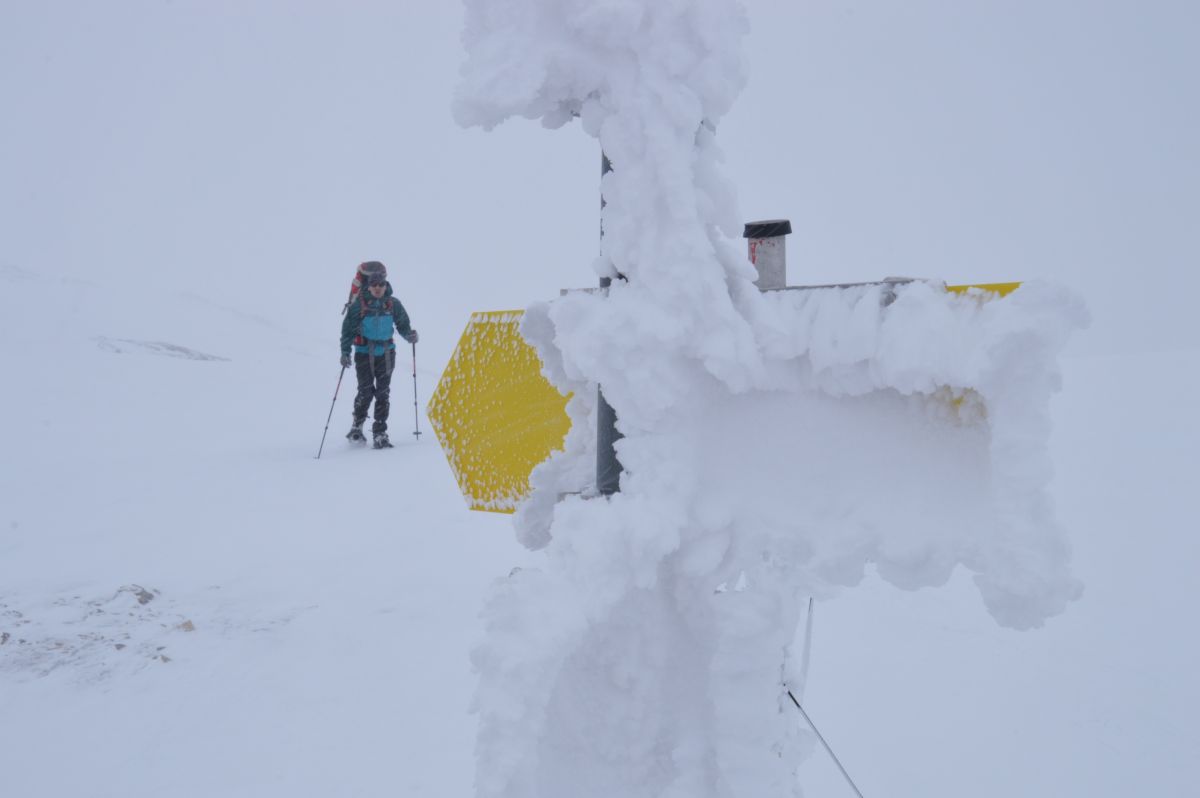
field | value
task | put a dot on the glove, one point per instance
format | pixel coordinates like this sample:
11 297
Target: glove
412 337
345 361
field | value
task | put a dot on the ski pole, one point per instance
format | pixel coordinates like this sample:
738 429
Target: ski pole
331 404
416 416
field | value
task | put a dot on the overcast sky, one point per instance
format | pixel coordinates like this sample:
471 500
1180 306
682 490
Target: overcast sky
270 146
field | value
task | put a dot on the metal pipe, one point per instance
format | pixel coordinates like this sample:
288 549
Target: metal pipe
768 252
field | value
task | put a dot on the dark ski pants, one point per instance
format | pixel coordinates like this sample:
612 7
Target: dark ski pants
374 382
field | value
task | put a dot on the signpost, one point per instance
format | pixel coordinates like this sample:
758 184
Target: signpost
497 417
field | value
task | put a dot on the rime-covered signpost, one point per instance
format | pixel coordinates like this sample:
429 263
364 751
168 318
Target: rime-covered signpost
775 442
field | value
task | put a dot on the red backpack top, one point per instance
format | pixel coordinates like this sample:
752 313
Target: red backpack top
365 269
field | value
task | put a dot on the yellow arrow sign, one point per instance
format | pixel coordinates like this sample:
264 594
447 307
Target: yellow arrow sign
494 413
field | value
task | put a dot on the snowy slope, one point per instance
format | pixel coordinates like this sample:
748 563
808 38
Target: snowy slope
332 601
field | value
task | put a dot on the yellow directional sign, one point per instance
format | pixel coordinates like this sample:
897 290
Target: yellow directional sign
967 405
494 413
497 417
1003 289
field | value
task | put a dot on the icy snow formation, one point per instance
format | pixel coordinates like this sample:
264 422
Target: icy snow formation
778 442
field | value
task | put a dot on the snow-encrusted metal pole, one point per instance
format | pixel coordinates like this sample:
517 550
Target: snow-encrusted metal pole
768 253
608 467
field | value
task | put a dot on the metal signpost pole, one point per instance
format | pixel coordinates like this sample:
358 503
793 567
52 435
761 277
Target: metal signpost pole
608 468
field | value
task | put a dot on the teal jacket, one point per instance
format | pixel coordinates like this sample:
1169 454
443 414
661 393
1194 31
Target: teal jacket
369 322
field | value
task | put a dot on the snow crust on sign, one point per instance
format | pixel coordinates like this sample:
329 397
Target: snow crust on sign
775 444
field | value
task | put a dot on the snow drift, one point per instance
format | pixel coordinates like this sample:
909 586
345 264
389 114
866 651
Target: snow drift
775 444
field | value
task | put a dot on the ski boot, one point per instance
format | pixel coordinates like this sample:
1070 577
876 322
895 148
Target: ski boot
356 434
381 441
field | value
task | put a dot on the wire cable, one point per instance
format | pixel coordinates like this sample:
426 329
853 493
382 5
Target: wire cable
836 761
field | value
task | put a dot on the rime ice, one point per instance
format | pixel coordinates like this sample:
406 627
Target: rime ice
781 442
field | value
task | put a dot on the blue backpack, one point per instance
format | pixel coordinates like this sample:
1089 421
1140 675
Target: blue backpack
375 328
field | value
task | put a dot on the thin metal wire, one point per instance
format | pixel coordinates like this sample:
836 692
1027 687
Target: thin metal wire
836 761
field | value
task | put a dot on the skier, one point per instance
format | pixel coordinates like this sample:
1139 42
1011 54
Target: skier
368 326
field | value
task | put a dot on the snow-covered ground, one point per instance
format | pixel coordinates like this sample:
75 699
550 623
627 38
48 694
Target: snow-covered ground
192 605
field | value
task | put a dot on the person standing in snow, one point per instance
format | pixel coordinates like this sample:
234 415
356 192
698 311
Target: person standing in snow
370 319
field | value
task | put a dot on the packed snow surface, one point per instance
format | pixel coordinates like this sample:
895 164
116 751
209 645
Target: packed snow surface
773 443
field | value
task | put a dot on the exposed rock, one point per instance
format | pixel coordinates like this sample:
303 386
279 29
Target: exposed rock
142 595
